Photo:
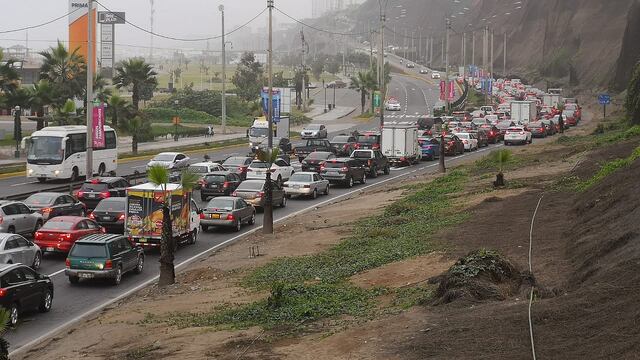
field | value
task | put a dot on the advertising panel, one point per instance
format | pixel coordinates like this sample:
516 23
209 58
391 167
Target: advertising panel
98 127
78 24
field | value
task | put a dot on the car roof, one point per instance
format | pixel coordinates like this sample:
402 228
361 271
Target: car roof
223 198
341 159
74 219
103 179
169 153
5 202
208 163
98 238
306 172
220 172
5 267
4 236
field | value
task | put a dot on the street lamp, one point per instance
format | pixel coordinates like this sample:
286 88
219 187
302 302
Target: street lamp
17 130
175 121
224 76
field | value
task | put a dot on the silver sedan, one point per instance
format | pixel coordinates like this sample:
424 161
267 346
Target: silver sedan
306 184
16 249
227 211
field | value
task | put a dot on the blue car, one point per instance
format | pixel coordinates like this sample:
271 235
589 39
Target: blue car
430 148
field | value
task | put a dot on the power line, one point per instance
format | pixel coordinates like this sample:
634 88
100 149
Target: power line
317 28
40 25
182 39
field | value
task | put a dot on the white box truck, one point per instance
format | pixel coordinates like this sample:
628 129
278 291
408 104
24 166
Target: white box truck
550 100
524 112
400 143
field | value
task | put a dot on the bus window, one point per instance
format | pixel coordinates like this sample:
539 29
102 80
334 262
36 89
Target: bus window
76 143
110 139
44 149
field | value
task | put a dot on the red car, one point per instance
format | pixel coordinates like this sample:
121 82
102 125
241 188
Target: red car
59 233
493 133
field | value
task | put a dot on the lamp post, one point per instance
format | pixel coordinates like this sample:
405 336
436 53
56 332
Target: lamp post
224 75
17 130
175 122
325 96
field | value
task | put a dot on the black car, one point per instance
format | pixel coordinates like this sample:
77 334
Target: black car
238 165
344 144
315 160
110 214
94 190
219 183
51 204
344 171
481 135
23 289
374 161
538 129
103 256
453 145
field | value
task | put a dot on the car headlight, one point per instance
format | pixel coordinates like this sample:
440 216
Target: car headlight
30 171
56 172
100 266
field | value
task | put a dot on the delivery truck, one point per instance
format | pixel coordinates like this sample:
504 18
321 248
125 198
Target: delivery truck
143 216
551 100
400 143
524 112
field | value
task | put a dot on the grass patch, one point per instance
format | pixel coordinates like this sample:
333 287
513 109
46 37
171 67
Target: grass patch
408 297
140 353
492 162
607 169
376 241
289 305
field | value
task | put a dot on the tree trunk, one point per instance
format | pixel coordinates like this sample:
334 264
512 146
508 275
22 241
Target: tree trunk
441 166
135 98
499 180
363 100
134 144
167 246
267 222
114 121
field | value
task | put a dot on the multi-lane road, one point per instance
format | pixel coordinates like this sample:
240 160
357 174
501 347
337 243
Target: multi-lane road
72 303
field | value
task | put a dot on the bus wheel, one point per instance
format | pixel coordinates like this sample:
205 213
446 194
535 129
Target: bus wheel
74 175
42 180
101 170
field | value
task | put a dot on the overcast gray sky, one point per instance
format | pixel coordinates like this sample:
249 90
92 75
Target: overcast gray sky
178 18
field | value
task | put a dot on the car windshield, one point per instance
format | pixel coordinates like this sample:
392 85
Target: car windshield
164 157
319 155
199 169
312 127
40 199
535 125
224 204
114 204
235 161
258 132
334 164
88 251
316 143
567 113
251 186
340 139
515 129
503 125
259 165
362 154
58 225
215 178
94 187
367 139
45 149
301 177
463 136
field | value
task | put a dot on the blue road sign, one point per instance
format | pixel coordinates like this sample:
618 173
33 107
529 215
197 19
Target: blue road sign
604 99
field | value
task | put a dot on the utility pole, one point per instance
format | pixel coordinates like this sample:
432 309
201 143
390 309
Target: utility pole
344 59
446 78
370 49
492 59
404 43
473 48
381 73
504 56
485 48
413 47
89 109
431 52
419 59
443 59
464 55
304 71
224 75
268 208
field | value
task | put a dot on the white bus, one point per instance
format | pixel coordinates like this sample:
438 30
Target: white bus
60 152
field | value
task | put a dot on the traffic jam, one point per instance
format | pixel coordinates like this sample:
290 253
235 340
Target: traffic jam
103 229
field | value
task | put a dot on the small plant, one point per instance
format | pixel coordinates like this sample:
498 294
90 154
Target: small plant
501 157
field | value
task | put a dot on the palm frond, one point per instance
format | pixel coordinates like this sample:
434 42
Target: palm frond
188 179
501 157
158 175
4 319
268 156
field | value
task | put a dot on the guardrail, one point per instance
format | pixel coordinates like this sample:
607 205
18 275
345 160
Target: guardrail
462 101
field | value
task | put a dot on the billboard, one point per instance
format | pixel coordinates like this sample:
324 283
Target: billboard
264 94
78 25
98 126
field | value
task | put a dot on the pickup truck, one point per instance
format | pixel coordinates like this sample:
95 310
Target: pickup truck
373 161
313 145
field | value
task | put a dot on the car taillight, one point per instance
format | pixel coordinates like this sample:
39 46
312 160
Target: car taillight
105 194
357 146
1 219
369 162
45 211
202 182
64 237
108 264
322 166
506 132
451 143
67 262
121 217
235 193
201 216
344 169
79 193
242 168
521 132
260 194
375 146
465 141
491 133
3 292
91 216
230 217
37 235
226 184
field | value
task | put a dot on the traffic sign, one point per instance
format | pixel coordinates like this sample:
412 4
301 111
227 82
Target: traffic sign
175 120
376 99
604 99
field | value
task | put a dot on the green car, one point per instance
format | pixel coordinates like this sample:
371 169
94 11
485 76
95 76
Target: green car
103 256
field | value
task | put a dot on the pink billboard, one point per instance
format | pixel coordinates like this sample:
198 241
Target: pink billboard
97 127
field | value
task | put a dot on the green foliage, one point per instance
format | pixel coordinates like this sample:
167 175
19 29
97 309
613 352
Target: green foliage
632 101
9 76
269 155
558 66
165 115
66 72
408 297
289 305
139 128
609 168
183 131
249 77
374 241
317 67
365 84
298 118
476 263
497 160
188 179
207 101
137 75
158 175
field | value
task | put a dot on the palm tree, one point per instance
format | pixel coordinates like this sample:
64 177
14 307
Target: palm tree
100 90
137 74
159 176
66 113
269 157
42 94
8 75
65 71
501 157
118 109
4 344
362 83
138 127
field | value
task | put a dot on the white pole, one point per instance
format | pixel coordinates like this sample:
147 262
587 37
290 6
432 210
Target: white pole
224 76
89 109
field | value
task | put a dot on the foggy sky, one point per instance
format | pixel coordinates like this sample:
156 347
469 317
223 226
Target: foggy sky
178 18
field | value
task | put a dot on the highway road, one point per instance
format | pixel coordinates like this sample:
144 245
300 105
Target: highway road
71 303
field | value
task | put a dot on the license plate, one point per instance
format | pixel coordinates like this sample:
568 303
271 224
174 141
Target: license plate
106 218
142 240
91 196
296 186
215 216
85 275
258 172
49 249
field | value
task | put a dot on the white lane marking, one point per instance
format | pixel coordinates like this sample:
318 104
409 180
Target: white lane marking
56 273
139 167
398 169
25 183
222 244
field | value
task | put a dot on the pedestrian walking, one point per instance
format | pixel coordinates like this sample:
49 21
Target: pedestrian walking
209 131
